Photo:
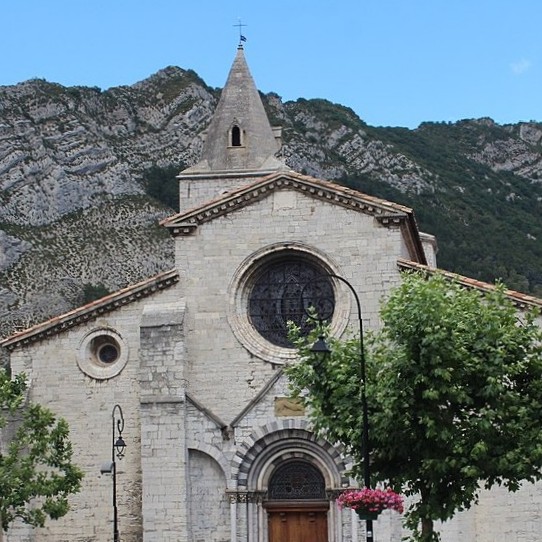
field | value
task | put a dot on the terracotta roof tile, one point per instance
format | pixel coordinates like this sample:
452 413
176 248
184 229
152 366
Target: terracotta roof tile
254 185
387 212
520 299
92 310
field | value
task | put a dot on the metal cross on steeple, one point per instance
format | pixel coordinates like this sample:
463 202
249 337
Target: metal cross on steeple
241 37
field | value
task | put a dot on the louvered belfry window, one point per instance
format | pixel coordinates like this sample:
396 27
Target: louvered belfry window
297 480
284 291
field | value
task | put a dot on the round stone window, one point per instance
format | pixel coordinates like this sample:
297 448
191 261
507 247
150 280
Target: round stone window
102 354
286 290
279 284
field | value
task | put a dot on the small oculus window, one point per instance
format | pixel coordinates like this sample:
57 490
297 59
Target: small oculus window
102 354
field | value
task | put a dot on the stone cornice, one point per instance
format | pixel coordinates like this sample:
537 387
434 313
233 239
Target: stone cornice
324 190
387 213
396 219
88 312
217 175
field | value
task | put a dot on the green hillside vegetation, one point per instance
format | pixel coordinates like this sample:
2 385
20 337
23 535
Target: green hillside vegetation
487 222
161 184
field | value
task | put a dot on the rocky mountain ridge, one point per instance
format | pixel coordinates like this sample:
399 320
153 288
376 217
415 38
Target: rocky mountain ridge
75 208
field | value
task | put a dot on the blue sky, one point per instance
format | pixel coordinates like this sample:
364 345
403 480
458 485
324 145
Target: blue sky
395 62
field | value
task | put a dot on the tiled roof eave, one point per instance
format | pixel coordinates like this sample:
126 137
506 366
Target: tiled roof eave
520 300
88 312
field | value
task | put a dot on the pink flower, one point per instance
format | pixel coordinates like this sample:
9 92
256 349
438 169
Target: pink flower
371 500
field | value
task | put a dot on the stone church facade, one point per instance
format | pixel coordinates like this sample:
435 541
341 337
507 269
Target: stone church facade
216 449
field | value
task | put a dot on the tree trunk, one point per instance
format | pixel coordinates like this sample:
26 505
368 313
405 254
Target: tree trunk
427 533
427 530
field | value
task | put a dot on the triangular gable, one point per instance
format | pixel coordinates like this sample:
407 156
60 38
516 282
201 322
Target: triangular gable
520 300
92 310
386 212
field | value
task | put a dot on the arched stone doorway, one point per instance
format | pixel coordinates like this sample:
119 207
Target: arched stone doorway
296 504
274 459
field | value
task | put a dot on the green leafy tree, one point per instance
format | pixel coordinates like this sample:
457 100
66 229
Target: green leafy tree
91 292
454 386
162 184
36 472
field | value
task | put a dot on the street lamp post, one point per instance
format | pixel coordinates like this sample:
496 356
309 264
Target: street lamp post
321 347
118 447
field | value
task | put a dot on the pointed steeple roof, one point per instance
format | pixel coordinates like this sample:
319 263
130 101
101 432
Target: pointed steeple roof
240 138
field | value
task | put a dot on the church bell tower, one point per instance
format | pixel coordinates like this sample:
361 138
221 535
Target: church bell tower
240 144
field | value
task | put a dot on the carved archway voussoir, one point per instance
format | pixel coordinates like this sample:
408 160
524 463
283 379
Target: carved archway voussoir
281 441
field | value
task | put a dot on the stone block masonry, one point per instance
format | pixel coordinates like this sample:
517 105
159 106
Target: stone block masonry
163 435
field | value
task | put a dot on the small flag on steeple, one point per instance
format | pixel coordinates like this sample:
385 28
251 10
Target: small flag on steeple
241 37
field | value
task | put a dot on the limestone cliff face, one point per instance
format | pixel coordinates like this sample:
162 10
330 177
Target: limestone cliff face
73 207
518 150
66 149
330 142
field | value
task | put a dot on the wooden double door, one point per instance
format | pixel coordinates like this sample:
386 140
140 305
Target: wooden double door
297 523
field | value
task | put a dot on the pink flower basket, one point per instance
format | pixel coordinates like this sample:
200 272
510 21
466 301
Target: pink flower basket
368 503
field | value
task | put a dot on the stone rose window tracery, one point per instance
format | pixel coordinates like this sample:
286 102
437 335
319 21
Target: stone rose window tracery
284 291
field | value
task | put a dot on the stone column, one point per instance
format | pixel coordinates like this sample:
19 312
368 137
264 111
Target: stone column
233 518
163 437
